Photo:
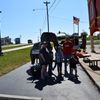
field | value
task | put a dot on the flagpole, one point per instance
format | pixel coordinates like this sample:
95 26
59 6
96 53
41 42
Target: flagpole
73 27
73 24
78 29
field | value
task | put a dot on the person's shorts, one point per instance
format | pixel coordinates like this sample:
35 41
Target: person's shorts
67 58
72 66
59 64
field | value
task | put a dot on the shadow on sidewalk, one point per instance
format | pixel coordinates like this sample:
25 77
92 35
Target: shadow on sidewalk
73 78
95 68
40 84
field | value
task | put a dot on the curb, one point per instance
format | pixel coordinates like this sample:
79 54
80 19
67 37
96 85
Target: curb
16 97
94 82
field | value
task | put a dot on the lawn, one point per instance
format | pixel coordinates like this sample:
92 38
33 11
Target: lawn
95 42
13 46
13 60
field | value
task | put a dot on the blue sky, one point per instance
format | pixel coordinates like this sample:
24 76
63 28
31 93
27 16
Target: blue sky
19 20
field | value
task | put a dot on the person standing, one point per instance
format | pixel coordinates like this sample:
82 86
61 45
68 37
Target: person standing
44 59
67 52
58 60
50 60
73 64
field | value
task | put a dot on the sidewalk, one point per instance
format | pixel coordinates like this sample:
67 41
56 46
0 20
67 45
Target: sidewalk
19 83
13 49
94 74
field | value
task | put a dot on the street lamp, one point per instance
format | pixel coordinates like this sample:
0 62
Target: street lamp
0 40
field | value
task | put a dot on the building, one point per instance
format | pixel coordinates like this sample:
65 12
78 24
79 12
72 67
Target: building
6 40
17 40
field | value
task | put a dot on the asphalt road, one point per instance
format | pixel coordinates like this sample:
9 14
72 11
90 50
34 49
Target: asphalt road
18 82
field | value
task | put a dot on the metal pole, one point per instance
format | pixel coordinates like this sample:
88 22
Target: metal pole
0 39
40 34
47 14
78 29
73 28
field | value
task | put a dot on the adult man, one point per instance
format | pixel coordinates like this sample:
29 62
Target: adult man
49 47
44 59
67 51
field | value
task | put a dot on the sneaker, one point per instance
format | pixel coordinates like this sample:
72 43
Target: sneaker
76 76
66 72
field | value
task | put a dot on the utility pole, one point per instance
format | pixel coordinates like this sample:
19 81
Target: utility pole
40 34
46 3
0 38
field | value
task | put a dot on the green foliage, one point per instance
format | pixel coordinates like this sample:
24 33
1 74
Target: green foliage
95 38
98 36
88 38
95 42
14 59
84 34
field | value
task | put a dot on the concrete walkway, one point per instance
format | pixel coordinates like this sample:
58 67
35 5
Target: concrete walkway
93 73
19 83
23 47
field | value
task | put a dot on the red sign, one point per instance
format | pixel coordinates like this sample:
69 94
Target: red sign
94 15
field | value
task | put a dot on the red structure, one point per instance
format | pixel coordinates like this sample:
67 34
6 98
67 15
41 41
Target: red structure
94 15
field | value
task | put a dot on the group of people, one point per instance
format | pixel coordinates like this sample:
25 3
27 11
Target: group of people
66 53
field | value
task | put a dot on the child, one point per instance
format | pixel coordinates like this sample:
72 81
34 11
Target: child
58 60
73 64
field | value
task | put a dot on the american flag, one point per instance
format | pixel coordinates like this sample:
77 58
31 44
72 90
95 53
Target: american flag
76 20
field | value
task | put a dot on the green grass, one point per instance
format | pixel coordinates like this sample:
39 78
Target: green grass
13 46
95 42
13 60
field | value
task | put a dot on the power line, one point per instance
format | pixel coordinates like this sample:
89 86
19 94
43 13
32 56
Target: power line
69 20
56 5
60 18
46 3
47 12
0 38
38 9
52 4
43 23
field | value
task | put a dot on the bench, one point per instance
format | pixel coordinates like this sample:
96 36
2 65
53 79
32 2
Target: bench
86 55
93 61
83 55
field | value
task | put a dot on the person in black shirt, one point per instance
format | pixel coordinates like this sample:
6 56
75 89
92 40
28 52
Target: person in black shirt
73 63
49 46
44 59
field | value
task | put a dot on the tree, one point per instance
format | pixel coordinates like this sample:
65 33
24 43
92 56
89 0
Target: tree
98 36
84 34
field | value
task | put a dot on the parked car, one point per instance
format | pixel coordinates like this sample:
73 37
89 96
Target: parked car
34 53
46 36
30 42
